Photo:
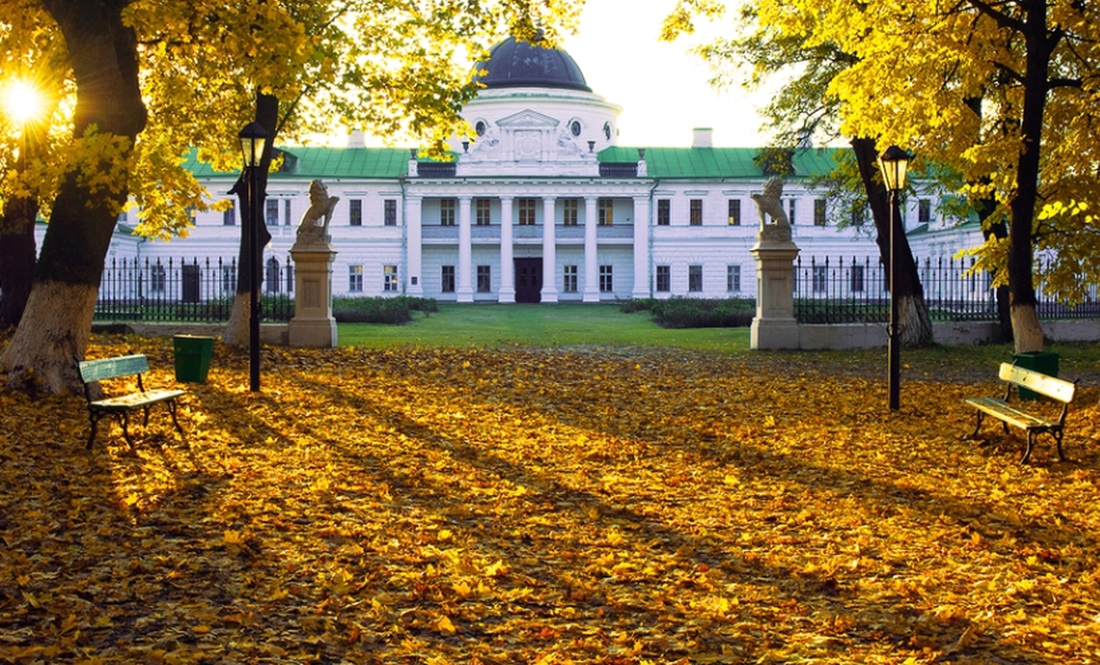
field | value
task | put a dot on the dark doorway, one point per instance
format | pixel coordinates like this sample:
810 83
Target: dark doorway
528 280
191 282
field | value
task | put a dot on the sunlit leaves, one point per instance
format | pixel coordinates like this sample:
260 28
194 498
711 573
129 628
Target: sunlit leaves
420 505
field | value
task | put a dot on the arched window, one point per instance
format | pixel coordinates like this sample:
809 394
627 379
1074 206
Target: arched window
272 278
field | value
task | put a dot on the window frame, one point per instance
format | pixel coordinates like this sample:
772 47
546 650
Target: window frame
447 279
355 278
355 212
526 211
569 279
389 278
484 278
483 212
664 212
447 208
662 279
607 278
733 212
389 212
695 212
733 278
695 278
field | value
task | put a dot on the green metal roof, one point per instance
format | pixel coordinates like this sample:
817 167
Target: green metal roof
326 162
685 163
717 162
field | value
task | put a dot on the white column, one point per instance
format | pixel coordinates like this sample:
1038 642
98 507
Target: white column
549 293
464 290
507 262
641 247
414 262
591 268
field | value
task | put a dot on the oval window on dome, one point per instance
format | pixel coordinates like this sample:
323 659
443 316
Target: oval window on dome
607 130
481 128
575 127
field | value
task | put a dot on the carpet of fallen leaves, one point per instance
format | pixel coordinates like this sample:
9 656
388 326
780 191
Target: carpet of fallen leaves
545 506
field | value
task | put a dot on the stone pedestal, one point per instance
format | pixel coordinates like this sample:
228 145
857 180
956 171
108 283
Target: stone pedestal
774 326
313 324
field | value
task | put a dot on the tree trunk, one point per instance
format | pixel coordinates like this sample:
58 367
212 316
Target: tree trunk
17 250
915 323
55 327
237 329
1021 289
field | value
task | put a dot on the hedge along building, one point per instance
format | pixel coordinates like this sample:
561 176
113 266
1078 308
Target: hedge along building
541 205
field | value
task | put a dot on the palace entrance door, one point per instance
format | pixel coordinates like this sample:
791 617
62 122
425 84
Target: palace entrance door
528 280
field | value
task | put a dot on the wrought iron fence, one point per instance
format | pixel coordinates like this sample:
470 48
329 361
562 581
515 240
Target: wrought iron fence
188 290
857 291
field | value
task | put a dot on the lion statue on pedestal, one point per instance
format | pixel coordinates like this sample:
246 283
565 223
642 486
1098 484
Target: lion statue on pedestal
770 204
313 229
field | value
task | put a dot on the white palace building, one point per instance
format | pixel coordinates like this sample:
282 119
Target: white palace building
542 206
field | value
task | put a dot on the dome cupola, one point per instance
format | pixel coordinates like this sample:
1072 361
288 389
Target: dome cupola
516 64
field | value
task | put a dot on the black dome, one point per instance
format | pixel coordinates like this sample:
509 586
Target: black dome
514 64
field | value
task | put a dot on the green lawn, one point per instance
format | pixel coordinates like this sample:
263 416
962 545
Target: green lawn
493 326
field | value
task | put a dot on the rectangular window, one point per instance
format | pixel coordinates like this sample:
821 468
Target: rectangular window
664 212
389 278
484 279
526 212
856 279
229 215
122 217
271 212
158 278
483 212
695 279
569 213
286 212
695 212
791 210
446 212
447 279
664 279
735 212
819 212
569 279
355 279
607 282
355 212
605 212
389 212
924 211
821 278
733 278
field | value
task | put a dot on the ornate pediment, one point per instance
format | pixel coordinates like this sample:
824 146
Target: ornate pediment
528 119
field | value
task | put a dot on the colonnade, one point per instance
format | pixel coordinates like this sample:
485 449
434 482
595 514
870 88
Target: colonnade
464 277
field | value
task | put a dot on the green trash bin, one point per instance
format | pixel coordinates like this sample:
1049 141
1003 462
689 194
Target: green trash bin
1045 362
193 354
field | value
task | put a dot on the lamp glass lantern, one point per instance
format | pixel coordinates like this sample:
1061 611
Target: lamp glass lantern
894 163
253 138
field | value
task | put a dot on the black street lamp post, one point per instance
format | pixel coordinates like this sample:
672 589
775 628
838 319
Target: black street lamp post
894 163
253 137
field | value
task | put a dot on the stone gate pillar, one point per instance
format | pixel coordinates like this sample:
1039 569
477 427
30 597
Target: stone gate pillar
313 323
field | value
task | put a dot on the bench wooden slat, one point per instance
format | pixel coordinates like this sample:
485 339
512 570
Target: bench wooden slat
110 368
135 400
999 409
120 406
1033 424
1043 384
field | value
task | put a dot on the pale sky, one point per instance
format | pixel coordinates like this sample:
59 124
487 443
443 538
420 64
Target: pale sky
663 90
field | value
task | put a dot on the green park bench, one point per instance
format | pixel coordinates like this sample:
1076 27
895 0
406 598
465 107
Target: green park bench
92 371
1012 414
